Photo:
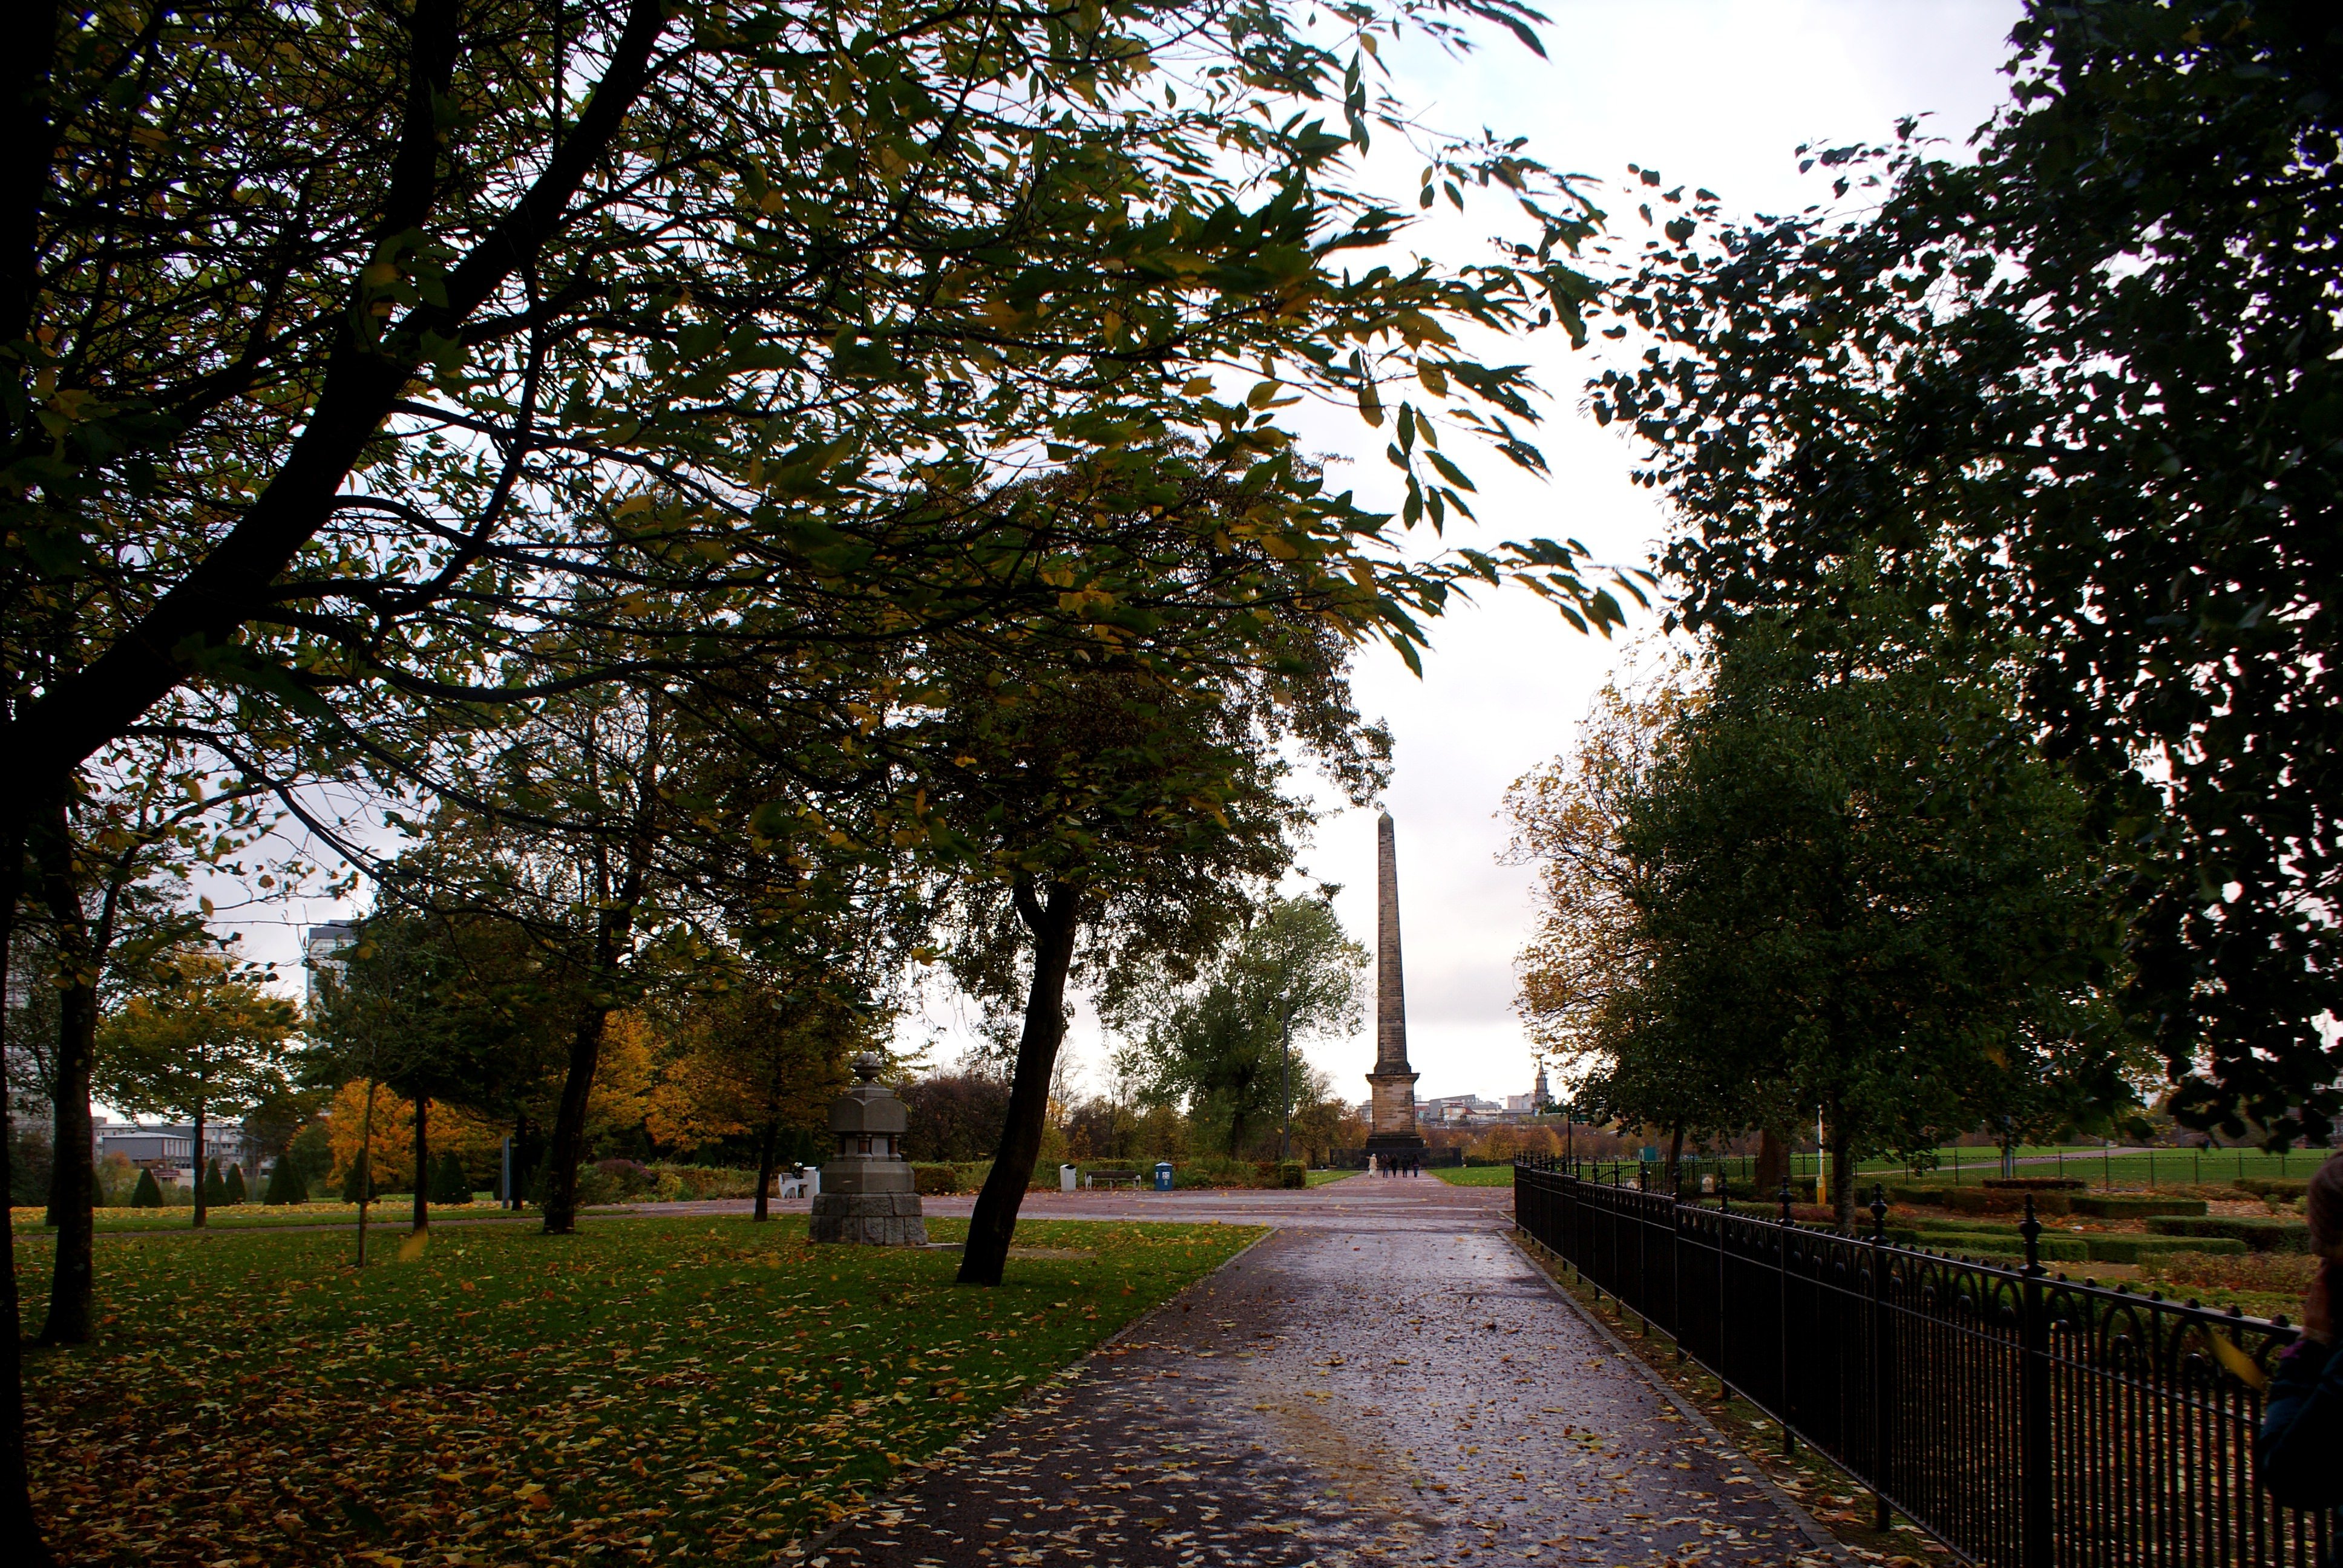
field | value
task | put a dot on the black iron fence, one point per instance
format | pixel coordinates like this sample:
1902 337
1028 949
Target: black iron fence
2023 1421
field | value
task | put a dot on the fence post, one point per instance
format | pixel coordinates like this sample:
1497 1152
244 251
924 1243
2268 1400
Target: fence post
1675 1265
1782 1278
2034 1408
1881 1361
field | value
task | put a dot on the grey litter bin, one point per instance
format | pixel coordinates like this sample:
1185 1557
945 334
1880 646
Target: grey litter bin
1164 1175
1065 1178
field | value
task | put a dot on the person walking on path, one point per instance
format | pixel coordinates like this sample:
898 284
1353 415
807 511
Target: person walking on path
2298 1454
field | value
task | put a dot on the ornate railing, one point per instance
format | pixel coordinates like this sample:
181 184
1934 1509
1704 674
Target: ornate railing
2025 1421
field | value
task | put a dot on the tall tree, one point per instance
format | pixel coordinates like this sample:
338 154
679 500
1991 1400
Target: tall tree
112 864
765 1053
2089 385
1116 815
203 1038
1858 887
1223 1044
344 341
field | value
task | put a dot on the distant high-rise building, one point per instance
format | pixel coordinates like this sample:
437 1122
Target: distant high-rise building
322 946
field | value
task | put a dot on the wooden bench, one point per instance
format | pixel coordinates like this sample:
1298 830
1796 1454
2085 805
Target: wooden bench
1113 1179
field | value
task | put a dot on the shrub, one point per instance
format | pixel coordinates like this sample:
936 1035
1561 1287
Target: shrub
147 1195
236 1192
2261 1235
2135 1205
702 1183
354 1185
935 1180
2124 1248
285 1184
215 1188
597 1186
2036 1183
449 1183
1293 1174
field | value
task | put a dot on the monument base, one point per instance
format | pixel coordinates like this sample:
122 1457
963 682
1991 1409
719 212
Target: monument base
868 1219
1397 1146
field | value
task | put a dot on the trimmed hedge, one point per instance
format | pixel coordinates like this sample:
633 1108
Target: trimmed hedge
2007 1244
147 1194
2261 1235
2135 1205
2126 1249
2034 1183
2003 1200
2274 1186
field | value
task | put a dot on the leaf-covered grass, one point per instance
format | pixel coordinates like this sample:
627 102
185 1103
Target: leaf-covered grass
1320 1178
685 1389
1476 1175
250 1216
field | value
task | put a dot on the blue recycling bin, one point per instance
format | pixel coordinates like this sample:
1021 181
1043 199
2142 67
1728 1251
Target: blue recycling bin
1164 1175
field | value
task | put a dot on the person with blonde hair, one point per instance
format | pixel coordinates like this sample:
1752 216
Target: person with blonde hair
2298 1454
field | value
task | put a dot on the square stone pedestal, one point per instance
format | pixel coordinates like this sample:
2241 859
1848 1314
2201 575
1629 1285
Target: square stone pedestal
869 1218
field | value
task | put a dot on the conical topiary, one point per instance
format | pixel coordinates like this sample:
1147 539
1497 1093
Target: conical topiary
285 1183
236 1189
215 1188
353 1183
449 1184
147 1195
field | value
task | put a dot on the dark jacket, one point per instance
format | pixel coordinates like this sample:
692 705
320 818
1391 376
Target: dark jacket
2298 1454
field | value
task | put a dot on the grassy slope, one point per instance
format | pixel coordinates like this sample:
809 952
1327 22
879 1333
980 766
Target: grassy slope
695 1388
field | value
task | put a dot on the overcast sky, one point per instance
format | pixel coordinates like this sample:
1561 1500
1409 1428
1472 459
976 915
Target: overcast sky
1710 93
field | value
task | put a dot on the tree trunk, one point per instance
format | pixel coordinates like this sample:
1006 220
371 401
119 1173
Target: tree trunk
1053 926
569 1122
1773 1165
20 1533
1675 1157
422 1166
765 1165
72 1176
1842 1151
199 1164
525 1156
73 1180
366 1169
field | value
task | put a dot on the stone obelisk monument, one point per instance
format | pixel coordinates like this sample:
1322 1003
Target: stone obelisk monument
1391 1105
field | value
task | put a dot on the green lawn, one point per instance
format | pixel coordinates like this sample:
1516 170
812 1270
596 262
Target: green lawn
1320 1178
680 1389
1476 1175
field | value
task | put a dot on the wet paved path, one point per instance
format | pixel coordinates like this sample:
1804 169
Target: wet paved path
1384 1379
